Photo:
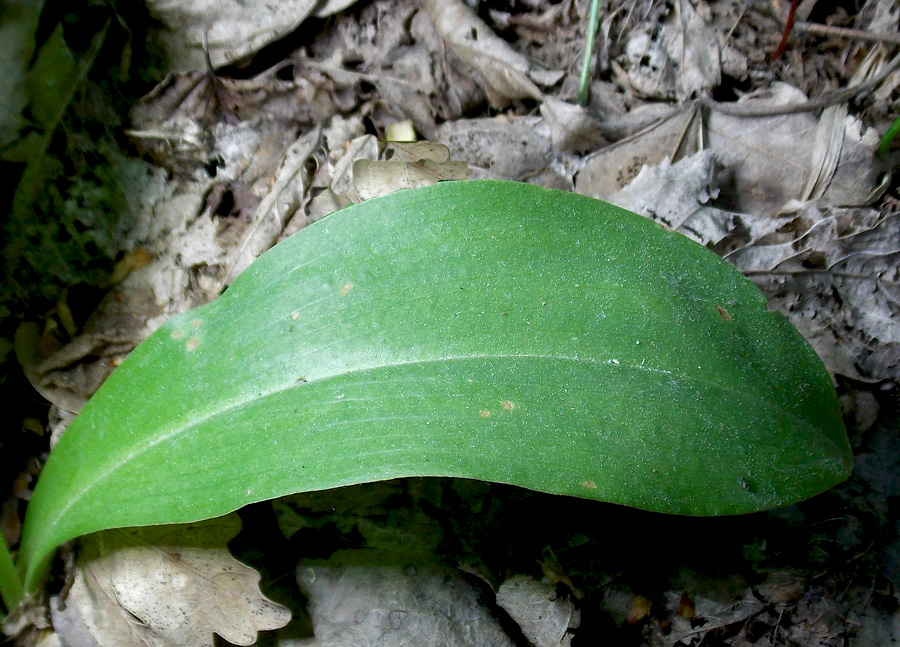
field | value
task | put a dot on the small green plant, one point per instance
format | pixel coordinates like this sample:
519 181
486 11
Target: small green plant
487 330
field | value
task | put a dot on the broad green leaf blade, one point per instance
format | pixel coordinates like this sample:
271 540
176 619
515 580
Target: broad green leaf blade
488 330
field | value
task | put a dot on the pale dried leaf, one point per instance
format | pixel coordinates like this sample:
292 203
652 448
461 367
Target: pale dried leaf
678 59
838 281
235 29
179 582
675 195
502 148
276 208
571 127
544 616
504 71
769 159
827 152
394 605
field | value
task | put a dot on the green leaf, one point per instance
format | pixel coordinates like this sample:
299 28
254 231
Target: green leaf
487 330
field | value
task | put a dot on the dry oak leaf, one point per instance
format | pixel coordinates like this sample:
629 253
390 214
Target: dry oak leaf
165 586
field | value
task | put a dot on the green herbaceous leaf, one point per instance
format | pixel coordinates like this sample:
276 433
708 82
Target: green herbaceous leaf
488 330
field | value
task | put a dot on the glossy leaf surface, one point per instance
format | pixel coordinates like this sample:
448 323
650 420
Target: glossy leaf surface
488 330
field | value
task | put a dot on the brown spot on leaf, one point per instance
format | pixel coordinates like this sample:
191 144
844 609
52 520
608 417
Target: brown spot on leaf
192 343
485 413
177 334
723 313
508 405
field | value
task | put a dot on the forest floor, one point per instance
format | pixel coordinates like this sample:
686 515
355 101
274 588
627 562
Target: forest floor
160 195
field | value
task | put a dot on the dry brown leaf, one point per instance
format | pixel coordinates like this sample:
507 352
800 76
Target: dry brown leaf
410 166
571 127
165 586
504 71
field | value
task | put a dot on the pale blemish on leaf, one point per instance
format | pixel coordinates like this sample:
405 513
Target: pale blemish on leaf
196 323
508 405
590 485
295 315
177 334
345 289
192 343
484 413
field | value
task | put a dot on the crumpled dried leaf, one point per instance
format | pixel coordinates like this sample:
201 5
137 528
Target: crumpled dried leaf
544 617
711 612
676 196
837 278
284 198
367 168
501 148
678 59
235 29
571 127
396 604
769 159
507 74
412 165
179 582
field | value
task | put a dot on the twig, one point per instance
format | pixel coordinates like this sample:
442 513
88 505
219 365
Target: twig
845 94
819 29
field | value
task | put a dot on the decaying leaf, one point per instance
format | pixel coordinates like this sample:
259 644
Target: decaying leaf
835 273
410 166
505 72
165 586
234 29
396 604
544 617
366 168
281 202
770 160
678 59
499 147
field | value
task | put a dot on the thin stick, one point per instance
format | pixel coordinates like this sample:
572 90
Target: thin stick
845 94
588 51
819 29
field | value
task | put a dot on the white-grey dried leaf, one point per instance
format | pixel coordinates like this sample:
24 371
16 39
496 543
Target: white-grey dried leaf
179 582
678 58
676 195
234 29
504 71
544 617
395 605
503 148
276 208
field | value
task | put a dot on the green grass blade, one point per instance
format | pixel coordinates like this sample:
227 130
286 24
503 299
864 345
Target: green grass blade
593 22
11 590
487 330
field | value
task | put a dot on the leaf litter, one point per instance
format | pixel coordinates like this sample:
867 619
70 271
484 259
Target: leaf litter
793 200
